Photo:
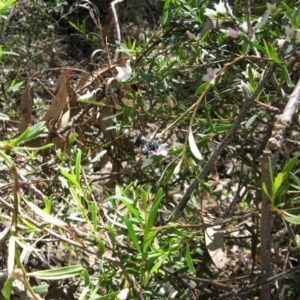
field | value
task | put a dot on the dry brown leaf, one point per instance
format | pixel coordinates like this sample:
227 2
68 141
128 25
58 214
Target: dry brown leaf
59 141
25 108
214 240
90 78
60 101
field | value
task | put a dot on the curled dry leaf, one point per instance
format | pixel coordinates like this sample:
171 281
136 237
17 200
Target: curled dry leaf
214 240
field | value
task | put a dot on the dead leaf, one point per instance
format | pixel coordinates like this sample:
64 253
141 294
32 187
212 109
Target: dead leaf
61 99
214 239
90 78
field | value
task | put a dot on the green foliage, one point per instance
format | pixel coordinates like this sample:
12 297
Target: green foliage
111 208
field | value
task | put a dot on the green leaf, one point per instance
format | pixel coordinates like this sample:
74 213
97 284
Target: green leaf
290 232
289 165
287 77
41 289
134 211
279 179
147 241
94 214
9 53
165 13
71 178
293 211
271 53
202 87
250 121
132 234
266 191
153 212
188 258
45 216
250 75
223 127
77 165
258 47
193 146
29 133
6 290
11 254
5 157
161 260
286 7
57 274
291 218
86 285
3 117
208 118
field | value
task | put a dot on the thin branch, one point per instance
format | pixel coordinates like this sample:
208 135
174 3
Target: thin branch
269 160
249 102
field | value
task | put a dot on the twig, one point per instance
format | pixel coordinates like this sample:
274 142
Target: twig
269 160
249 101
118 41
258 284
118 263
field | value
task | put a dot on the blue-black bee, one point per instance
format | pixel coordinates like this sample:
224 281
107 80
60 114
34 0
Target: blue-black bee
146 146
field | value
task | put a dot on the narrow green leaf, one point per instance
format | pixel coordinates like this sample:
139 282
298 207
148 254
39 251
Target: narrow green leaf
177 168
279 179
41 289
70 177
9 53
77 165
287 77
6 290
148 241
291 232
286 7
4 117
134 211
57 274
112 235
46 217
291 218
167 174
208 118
5 157
271 53
193 146
161 260
132 234
11 254
153 212
289 165
30 133
165 13
44 147
293 211
94 214
250 75
188 258
76 196
258 47
178 232
202 87
223 127
86 284
266 191
250 121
